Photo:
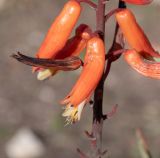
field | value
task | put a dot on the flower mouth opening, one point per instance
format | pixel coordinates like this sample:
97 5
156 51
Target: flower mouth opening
73 113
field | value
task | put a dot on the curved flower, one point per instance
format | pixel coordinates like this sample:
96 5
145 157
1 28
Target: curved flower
73 47
91 74
140 64
134 34
60 30
138 2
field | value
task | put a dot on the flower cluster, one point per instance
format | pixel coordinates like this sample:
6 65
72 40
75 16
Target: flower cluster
56 45
62 50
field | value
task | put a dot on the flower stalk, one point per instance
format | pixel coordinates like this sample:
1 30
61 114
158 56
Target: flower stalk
97 125
98 116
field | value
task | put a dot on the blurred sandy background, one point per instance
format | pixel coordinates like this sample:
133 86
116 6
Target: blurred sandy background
26 102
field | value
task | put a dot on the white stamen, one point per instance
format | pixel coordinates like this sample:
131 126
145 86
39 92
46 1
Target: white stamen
68 111
73 113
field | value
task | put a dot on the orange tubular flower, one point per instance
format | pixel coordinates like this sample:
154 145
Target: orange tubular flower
91 74
73 47
141 65
60 30
138 2
134 34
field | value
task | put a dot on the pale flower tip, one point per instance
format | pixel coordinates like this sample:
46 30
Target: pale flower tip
45 74
73 113
67 112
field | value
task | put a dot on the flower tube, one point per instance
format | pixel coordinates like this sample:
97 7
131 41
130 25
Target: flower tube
90 76
140 64
60 30
134 35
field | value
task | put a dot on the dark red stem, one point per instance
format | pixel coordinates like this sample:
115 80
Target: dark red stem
98 116
98 95
114 53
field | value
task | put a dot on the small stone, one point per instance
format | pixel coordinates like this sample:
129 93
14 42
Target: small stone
25 144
